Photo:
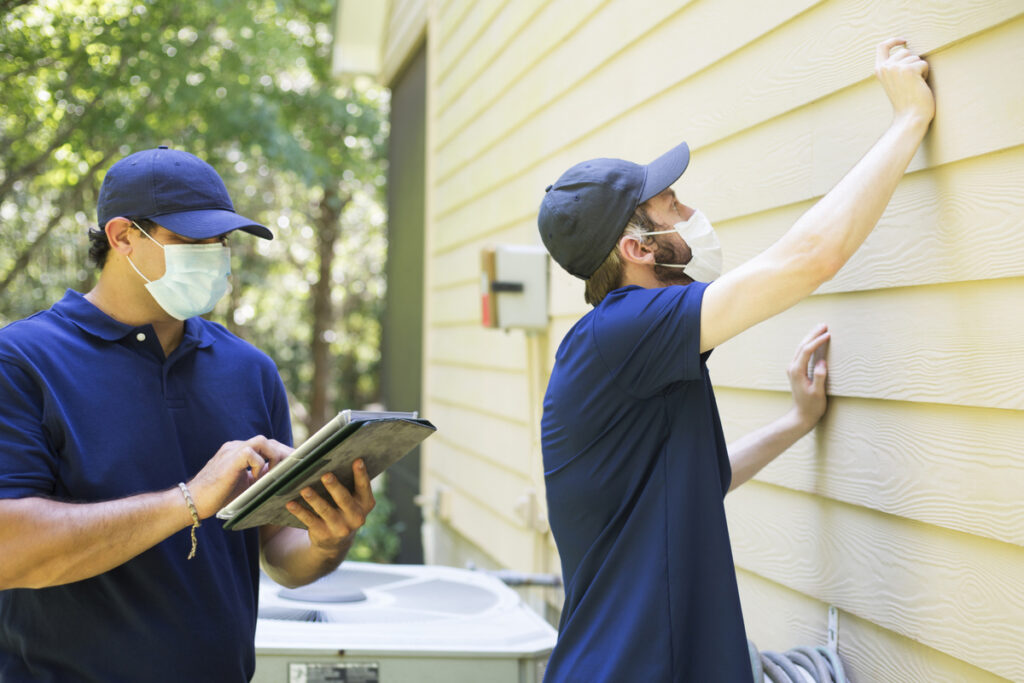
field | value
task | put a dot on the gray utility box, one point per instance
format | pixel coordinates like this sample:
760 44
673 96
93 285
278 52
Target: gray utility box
370 623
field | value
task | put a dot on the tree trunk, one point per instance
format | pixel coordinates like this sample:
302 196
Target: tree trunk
328 229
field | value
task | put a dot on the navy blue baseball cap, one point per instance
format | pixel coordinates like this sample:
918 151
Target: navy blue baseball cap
585 211
175 189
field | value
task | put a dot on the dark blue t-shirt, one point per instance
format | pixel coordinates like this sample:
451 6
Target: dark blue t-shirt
636 468
91 410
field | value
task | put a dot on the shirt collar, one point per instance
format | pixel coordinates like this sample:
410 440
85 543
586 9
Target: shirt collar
83 313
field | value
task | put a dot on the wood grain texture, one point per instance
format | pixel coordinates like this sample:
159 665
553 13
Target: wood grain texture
784 70
960 221
794 157
950 466
803 154
957 343
612 53
778 618
953 592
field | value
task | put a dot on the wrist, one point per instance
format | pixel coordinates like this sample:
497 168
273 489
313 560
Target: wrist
911 121
193 515
801 421
334 552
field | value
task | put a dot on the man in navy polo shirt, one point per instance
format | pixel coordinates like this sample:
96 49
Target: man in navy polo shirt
635 462
125 421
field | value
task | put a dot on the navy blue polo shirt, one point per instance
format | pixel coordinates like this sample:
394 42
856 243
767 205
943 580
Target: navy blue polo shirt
636 469
91 410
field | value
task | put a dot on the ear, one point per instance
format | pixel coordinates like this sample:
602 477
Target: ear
117 230
632 251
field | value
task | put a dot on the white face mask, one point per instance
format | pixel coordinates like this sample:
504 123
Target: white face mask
194 279
700 236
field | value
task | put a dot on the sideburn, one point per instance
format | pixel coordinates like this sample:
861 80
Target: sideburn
668 251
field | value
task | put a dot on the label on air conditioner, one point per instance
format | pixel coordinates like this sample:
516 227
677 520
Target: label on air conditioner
337 672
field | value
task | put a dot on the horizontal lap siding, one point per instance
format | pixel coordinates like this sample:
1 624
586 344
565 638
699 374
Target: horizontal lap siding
952 343
777 617
954 467
953 592
902 508
478 389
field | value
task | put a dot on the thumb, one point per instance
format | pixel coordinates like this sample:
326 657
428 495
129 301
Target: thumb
820 373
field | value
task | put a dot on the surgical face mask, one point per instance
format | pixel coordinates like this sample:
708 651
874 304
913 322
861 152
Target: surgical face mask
194 279
700 236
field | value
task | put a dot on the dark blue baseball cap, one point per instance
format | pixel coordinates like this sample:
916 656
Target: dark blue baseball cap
175 189
585 211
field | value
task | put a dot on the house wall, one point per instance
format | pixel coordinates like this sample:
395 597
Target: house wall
903 508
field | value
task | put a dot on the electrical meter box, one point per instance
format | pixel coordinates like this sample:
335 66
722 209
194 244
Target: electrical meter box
514 287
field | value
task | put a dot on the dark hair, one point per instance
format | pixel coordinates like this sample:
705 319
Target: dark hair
99 245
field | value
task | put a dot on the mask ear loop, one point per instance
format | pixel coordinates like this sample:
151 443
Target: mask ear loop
139 227
132 263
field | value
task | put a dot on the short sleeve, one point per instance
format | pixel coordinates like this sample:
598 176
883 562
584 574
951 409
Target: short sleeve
27 461
649 339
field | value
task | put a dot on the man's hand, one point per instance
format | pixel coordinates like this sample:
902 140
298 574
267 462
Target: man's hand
807 376
232 470
902 74
333 523
754 450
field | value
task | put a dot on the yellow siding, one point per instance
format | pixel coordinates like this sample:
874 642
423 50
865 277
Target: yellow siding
904 507
406 28
777 617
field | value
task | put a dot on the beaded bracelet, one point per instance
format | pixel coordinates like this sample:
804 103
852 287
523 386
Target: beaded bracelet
195 515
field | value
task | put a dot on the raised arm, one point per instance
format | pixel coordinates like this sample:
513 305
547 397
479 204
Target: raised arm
824 238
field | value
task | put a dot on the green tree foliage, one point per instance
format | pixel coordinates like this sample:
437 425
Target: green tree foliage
246 85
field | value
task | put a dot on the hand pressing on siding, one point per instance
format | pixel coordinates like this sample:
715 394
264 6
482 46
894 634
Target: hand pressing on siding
807 375
902 74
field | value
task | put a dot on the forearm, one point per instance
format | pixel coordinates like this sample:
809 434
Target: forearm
290 559
839 223
49 543
750 453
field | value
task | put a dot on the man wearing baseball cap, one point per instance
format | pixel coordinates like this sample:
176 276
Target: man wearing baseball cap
636 465
126 422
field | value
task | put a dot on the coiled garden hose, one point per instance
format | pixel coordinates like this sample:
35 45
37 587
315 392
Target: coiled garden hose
799 665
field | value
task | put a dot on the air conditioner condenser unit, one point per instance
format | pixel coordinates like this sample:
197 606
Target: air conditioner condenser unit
370 623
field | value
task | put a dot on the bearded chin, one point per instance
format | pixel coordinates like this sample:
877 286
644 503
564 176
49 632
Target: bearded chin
671 276
668 252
